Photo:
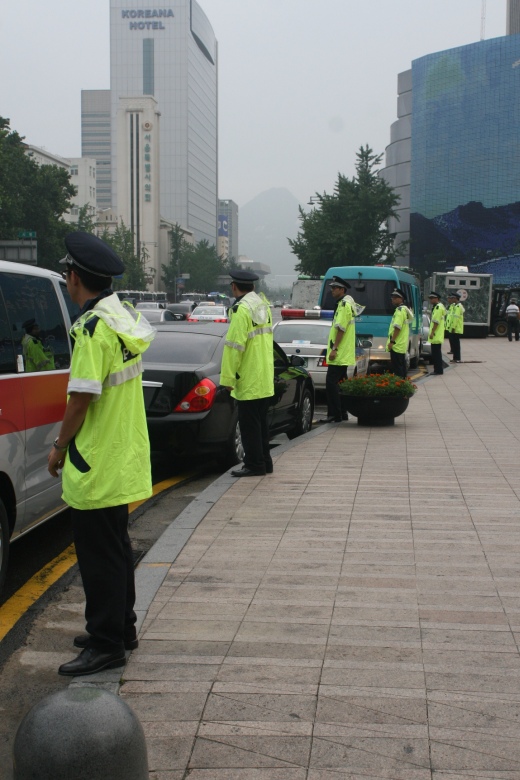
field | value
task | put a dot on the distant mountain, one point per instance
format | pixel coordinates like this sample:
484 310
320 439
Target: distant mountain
264 225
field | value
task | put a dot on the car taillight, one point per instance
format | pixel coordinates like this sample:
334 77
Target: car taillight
223 320
199 399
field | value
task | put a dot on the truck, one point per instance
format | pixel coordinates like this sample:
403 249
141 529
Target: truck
476 294
306 292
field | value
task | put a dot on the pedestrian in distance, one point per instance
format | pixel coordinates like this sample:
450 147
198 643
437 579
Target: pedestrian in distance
455 325
248 371
103 450
398 334
512 315
341 349
436 334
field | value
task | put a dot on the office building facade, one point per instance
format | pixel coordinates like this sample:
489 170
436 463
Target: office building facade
453 159
169 52
96 140
227 245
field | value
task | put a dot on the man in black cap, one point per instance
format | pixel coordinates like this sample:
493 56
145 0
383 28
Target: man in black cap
341 350
455 324
436 335
398 334
248 371
103 449
36 357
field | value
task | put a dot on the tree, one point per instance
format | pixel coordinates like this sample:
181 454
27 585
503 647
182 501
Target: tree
86 221
348 227
203 265
178 249
33 197
122 242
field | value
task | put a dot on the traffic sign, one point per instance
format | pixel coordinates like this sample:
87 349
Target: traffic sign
26 234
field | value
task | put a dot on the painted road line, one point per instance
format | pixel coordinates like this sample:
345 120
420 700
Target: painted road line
15 607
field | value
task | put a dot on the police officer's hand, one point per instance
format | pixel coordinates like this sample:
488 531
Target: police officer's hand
333 354
55 461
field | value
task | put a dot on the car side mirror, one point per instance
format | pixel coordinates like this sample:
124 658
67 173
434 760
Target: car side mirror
366 344
297 361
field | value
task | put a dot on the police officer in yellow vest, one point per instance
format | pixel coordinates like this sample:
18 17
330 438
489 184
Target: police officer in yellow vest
248 371
398 334
341 350
103 449
37 358
436 335
455 324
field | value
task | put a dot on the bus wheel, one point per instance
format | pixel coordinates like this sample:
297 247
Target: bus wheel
500 328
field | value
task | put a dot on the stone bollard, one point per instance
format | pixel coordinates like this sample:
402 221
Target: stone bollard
83 733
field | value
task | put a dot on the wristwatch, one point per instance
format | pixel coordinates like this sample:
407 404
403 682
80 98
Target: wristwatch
57 446
392 341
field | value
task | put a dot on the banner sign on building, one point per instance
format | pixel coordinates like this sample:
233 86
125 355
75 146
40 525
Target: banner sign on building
223 225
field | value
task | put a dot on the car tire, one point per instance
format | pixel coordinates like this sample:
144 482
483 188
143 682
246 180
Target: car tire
305 415
234 451
500 328
4 544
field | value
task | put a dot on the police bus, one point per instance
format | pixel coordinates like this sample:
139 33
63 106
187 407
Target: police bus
371 286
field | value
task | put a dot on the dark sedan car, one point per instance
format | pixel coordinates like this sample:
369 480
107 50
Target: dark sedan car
187 410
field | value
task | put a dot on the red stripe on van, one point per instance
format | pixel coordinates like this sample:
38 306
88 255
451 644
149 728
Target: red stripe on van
32 400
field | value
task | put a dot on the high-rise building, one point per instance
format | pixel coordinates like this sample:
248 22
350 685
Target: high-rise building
95 140
169 52
227 245
453 158
513 17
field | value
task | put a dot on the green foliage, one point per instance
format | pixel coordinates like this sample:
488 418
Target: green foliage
203 265
200 261
377 385
122 242
86 222
349 226
33 198
178 249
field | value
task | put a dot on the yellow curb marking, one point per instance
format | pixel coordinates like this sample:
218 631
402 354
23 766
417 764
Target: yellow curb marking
28 594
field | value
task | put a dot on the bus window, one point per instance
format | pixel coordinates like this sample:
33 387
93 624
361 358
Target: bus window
373 294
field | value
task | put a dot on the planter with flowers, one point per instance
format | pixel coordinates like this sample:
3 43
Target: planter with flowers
377 399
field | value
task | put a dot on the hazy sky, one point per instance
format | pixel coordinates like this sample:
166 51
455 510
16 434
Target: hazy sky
302 83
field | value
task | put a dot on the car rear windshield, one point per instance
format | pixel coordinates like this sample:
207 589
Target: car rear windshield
213 311
172 347
314 333
374 294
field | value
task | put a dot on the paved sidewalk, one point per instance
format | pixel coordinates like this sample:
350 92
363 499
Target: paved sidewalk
357 613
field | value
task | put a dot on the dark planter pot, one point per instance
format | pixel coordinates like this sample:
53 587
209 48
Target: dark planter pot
374 410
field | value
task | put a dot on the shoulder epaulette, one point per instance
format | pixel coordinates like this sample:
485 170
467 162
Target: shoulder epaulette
89 326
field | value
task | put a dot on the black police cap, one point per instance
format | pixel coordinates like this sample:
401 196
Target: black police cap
454 294
29 324
397 294
247 277
91 254
337 281
434 294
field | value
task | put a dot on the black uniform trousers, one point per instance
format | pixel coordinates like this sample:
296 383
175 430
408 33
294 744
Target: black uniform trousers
438 367
254 430
336 403
513 324
106 565
398 363
454 339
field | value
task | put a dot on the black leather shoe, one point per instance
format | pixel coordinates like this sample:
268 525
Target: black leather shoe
90 661
83 641
243 472
269 469
325 420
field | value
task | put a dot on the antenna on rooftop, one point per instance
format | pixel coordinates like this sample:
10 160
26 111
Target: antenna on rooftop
483 21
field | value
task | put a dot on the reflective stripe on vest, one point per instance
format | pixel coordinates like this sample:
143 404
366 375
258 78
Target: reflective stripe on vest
129 372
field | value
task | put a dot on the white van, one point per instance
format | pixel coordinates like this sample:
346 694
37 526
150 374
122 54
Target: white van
35 316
